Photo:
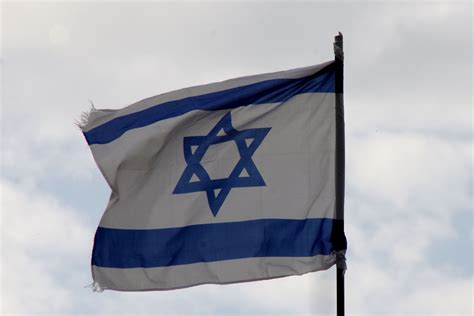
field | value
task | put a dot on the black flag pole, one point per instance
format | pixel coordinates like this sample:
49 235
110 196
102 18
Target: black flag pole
340 243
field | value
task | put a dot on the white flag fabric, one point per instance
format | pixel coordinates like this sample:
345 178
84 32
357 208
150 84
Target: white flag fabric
226 182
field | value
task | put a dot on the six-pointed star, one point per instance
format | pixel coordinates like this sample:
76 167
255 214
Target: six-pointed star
247 142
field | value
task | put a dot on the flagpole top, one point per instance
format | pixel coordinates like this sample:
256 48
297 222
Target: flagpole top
338 46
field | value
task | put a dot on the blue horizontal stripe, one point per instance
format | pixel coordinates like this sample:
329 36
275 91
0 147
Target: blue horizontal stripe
126 248
269 91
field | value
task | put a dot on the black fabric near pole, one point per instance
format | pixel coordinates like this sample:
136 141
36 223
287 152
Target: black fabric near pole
338 236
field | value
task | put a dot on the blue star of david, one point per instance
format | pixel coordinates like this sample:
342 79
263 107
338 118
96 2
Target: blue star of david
247 142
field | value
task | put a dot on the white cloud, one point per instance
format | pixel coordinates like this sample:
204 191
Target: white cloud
59 34
44 244
439 295
37 150
411 170
404 191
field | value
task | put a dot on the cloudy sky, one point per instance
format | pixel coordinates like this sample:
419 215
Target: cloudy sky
408 99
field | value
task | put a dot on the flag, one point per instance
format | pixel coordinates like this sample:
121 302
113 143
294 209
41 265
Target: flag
220 183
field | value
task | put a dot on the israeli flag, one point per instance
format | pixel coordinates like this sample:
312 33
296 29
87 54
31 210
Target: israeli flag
226 182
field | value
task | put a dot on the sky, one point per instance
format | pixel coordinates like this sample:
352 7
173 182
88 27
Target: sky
409 145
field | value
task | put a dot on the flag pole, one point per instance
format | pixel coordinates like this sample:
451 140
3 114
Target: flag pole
340 166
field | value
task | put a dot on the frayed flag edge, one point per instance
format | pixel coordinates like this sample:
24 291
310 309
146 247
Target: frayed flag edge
85 116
